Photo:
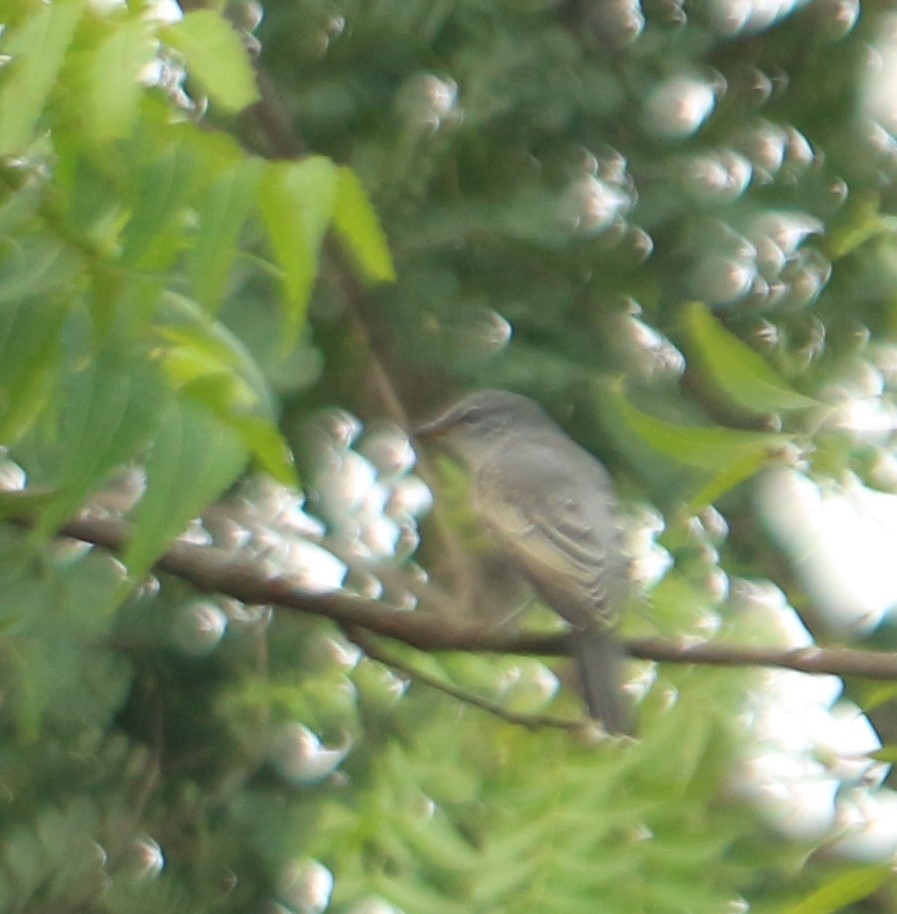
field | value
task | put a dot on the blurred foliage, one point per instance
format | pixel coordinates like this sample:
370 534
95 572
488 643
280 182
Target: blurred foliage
672 224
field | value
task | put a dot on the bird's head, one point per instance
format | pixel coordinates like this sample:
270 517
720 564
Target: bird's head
482 420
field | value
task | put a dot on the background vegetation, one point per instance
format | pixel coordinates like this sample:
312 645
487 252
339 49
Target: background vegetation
237 234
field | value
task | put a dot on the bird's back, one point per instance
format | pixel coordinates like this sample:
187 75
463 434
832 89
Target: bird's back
552 506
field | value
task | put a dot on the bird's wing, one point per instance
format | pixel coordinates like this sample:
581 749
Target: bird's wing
562 539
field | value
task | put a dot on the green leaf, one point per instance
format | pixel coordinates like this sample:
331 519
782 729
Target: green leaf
37 50
746 466
113 88
193 459
29 339
735 369
203 350
356 221
260 435
36 266
843 891
860 221
723 457
291 248
32 311
297 202
109 411
704 448
215 369
19 208
267 444
216 58
154 233
222 212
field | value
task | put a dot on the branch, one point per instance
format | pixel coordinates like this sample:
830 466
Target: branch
533 721
212 570
840 661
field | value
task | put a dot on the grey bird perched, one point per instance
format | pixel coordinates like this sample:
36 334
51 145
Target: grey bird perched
552 508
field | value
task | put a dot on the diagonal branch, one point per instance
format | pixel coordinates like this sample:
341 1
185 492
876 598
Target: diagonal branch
212 570
534 721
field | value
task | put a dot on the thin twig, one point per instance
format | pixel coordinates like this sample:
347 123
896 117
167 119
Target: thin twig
533 721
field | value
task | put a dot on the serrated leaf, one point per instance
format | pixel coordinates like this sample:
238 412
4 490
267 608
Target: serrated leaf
216 58
215 369
36 266
746 466
714 449
37 50
113 88
360 230
711 459
297 201
19 208
735 370
153 234
223 210
109 411
264 439
843 891
29 338
208 350
193 459
291 248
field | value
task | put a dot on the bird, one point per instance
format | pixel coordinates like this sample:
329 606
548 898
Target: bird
552 509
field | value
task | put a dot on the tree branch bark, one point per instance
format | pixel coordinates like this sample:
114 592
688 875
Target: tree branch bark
212 570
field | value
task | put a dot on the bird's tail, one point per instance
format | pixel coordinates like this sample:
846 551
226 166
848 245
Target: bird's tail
598 655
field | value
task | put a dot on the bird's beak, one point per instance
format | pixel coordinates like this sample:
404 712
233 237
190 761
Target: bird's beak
434 428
